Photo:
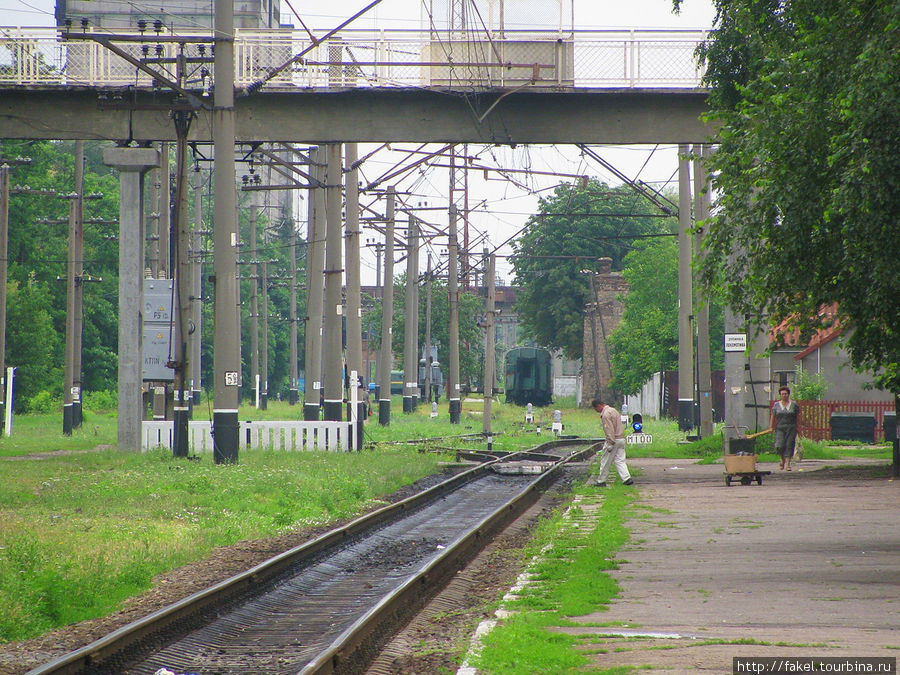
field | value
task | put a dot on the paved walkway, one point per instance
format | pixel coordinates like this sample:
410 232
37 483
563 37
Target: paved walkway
806 564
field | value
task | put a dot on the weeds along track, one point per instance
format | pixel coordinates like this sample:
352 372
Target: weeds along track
329 605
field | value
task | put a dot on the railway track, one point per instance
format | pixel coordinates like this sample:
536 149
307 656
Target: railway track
328 605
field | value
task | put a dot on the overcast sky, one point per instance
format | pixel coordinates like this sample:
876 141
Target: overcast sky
503 207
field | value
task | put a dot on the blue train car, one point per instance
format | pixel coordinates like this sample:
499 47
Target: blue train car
529 377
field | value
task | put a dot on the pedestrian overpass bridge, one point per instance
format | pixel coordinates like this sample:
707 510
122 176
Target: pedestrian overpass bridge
640 86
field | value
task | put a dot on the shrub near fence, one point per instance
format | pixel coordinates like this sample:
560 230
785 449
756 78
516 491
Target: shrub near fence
815 416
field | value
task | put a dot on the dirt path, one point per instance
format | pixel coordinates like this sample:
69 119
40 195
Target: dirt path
807 564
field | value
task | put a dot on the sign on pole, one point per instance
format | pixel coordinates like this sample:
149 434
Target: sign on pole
735 342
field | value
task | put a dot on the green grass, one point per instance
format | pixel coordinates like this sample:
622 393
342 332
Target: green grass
571 580
80 533
43 433
83 530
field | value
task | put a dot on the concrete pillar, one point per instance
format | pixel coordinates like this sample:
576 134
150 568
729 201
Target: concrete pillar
411 320
254 305
333 344
385 354
293 393
453 329
196 286
685 296
704 378
132 164
315 263
354 294
489 347
227 328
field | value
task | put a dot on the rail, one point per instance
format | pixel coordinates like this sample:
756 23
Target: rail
362 58
360 638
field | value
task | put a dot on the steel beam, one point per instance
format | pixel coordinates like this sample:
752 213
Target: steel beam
624 116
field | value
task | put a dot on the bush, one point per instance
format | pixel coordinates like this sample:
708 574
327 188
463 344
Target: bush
43 402
809 387
100 401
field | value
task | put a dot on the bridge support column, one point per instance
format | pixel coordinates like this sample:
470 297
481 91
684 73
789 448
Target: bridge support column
132 164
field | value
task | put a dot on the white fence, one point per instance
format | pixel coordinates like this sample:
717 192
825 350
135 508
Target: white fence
255 435
367 58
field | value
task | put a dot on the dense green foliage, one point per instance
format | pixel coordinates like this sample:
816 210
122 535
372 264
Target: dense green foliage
573 228
807 169
38 249
38 245
647 338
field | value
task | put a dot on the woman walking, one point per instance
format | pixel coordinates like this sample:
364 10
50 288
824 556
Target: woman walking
784 421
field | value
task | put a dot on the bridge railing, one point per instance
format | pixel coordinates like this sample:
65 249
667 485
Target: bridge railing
367 58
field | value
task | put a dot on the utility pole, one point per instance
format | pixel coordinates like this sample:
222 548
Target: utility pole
427 391
164 207
264 365
334 385
489 353
153 218
226 334
181 271
77 414
4 265
453 332
196 286
354 294
411 316
704 386
685 296
74 271
293 394
315 264
254 304
385 355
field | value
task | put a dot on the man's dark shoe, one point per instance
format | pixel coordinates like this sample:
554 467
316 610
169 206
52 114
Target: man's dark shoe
600 483
628 482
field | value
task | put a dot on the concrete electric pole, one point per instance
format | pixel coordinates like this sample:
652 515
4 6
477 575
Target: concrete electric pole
315 264
704 375
489 342
333 345
385 355
453 332
411 318
226 333
74 298
685 296
354 293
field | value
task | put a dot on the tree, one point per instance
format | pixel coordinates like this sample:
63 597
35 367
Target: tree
808 99
573 228
34 346
37 255
647 338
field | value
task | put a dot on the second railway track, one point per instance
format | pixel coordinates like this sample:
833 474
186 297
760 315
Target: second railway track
328 605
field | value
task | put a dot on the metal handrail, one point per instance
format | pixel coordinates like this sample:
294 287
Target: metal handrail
376 58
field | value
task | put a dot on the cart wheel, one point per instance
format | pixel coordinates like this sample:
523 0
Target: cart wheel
746 480
759 480
727 480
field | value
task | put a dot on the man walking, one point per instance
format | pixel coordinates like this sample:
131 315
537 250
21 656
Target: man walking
614 445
